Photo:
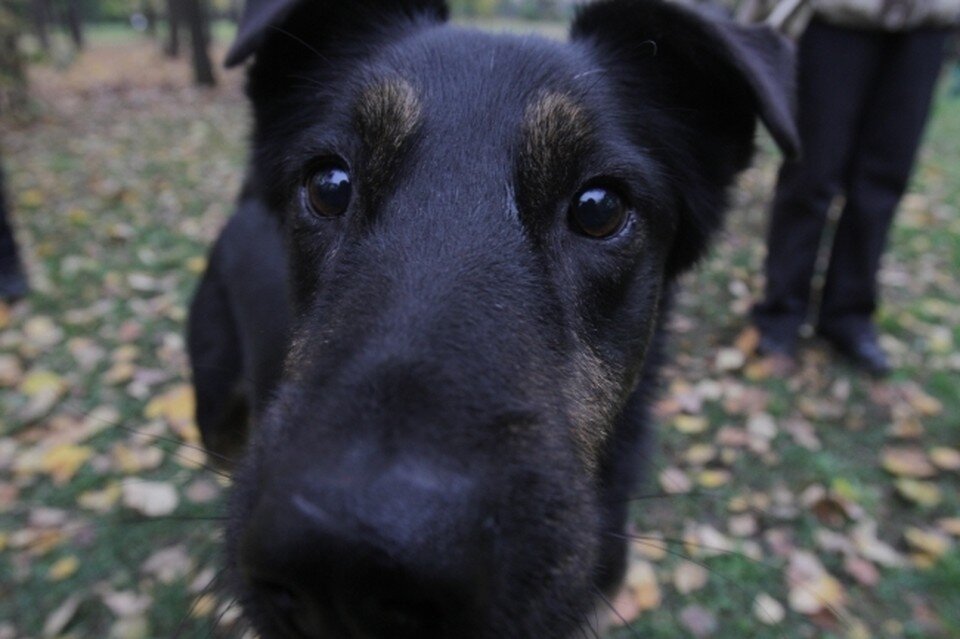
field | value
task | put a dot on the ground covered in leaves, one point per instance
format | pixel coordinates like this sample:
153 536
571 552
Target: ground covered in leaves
822 504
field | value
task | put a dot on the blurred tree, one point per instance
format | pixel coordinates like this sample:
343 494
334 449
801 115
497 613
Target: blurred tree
13 78
73 19
174 17
149 10
41 22
195 15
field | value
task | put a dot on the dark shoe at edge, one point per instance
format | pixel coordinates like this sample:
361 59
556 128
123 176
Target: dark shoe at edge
13 285
863 350
770 346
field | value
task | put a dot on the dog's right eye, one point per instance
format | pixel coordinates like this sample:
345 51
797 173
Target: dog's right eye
598 212
328 191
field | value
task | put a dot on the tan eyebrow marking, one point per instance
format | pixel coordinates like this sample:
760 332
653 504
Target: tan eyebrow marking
556 133
387 115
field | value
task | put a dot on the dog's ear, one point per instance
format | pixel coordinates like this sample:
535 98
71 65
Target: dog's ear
263 19
699 83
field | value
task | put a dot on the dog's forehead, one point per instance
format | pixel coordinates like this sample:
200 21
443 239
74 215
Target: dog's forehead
492 82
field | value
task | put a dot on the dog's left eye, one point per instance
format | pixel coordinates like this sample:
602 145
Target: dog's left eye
328 191
598 212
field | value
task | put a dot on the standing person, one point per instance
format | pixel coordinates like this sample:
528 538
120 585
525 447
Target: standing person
867 71
13 283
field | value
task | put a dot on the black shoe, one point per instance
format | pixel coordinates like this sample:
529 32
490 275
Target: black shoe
863 350
13 284
770 346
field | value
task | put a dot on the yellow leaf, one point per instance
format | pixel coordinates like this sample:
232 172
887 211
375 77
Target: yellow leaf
690 424
62 462
197 265
63 568
100 501
31 199
923 493
945 458
177 404
651 546
926 405
812 588
41 381
907 462
713 478
700 454
642 581
78 216
928 542
203 606
950 525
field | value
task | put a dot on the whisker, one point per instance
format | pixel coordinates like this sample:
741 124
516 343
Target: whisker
626 624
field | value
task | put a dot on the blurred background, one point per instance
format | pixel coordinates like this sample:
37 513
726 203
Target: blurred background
817 504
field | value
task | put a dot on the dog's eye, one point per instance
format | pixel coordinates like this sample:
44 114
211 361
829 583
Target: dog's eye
598 212
328 191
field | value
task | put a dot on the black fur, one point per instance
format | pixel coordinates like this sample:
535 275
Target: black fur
448 448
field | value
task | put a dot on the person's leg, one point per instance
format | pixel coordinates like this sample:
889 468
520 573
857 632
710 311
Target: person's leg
13 283
880 170
835 69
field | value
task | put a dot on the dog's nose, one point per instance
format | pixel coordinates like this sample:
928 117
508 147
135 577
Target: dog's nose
397 555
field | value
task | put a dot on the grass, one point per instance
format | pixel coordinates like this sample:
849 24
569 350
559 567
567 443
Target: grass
118 196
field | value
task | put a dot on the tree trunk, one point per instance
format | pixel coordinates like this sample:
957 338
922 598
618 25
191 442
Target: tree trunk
41 21
174 17
74 23
195 16
150 14
13 79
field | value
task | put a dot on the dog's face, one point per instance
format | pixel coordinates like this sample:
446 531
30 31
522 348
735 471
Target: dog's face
481 231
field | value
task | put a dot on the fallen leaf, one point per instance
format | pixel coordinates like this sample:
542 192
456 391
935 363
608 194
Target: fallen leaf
58 620
127 603
907 462
10 370
130 628
922 493
63 568
950 525
690 577
729 359
862 570
768 610
643 584
203 606
62 462
699 621
928 542
866 542
169 564
150 498
811 588
101 501
945 458
625 609
690 424
674 481
711 479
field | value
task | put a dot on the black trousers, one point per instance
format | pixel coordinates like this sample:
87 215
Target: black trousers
863 97
9 261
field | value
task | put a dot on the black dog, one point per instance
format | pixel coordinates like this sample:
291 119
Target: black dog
481 233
